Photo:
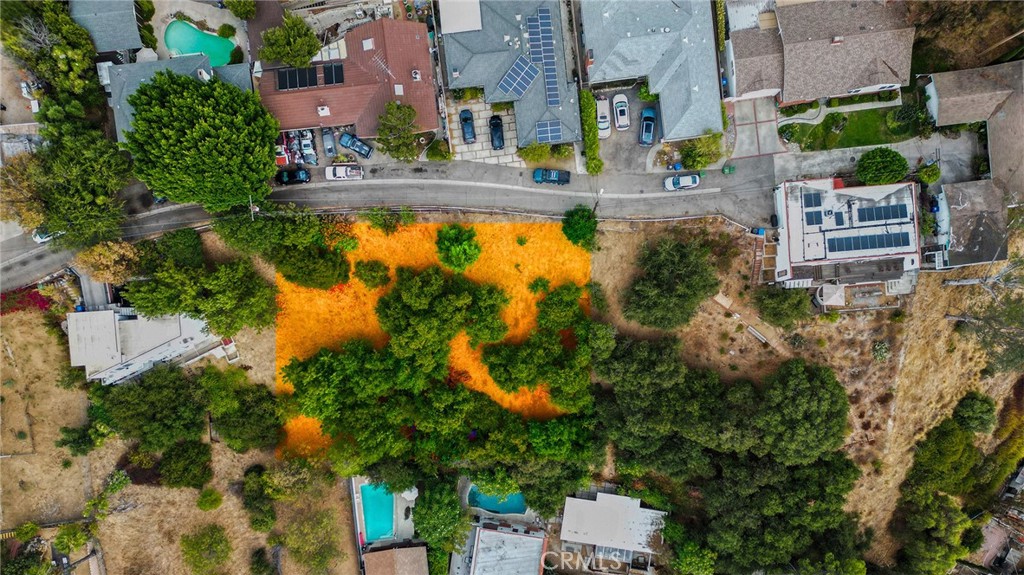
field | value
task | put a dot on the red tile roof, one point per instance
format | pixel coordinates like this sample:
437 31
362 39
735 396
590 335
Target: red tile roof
399 47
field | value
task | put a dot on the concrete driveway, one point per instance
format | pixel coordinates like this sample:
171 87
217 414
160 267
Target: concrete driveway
482 151
757 129
621 152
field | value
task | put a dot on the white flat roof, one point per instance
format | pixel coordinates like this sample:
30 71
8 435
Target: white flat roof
460 16
502 552
611 521
93 341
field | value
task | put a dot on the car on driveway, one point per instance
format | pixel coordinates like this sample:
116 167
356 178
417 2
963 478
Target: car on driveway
468 131
604 118
497 133
545 176
648 125
281 156
308 152
329 149
681 182
289 177
356 145
620 107
344 172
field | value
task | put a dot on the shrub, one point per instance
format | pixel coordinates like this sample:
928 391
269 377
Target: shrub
464 94
502 106
882 166
535 152
148 35
209 499
720 24
892 121
725 117
646 95
976 412
26 532
144 10
70 537
439 151
699 153
782 307
591 142
259 563
888 95
313 541
226 31
881 351
539 285
561 151
387 220
580 227
187 464
675 278
457 247
237 55
929 174
256 501
929 225
373 273
311 266
795 109
206 549
834 122
787 132
834 103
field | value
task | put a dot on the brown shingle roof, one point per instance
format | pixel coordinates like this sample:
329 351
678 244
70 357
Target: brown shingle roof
833 46
758 58
371 79
405 561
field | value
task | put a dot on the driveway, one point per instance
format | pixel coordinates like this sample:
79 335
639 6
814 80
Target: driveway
621 152
757 129
482 151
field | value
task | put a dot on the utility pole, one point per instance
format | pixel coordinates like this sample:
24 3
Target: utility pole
253 210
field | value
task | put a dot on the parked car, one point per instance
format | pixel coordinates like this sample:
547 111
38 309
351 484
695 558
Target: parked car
620 104
41 235
308 152
544 176
345 172
289 177
356 145
774 220
681 182
497 133
604 118
468 131
933 204
281 156
648 125
329 150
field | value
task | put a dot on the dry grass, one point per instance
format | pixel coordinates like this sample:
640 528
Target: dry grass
35 486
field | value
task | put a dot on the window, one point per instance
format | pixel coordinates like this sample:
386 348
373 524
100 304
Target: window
333 74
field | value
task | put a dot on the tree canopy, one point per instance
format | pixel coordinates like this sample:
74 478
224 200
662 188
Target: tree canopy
396 134
244 414
158 411
201 142
206 549
242 9
457 247
580 227
675 277
782 307
882 166
293 42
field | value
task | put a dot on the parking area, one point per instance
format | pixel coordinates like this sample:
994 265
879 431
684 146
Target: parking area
757 129
621 152
482 151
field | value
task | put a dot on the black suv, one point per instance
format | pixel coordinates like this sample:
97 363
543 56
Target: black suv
468 132
497 133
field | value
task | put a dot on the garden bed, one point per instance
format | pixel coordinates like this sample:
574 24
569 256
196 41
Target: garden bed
863 128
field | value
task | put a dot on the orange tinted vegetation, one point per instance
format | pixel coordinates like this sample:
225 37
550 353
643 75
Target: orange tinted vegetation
313 319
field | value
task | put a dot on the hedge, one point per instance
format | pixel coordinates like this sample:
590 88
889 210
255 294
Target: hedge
591 144
720 24
795 109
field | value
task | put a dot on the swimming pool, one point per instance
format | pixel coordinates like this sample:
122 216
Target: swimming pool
514 503
184 38
378 512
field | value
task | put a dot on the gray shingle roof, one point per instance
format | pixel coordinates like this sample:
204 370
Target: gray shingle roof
994 94
831 47
480 58
240 75
126 79
672 43
978 219
758 57
111 23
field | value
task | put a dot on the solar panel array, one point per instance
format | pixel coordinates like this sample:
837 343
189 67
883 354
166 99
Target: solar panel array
897 240
333 74
519 77
549 131
542 51
812 199
899 211
296 78
813 218
840 219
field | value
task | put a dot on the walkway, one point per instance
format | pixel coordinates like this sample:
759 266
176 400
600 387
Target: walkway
756 128
818 116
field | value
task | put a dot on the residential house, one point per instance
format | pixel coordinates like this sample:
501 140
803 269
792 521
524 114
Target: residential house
611 533
114 344
112 25
831 236
808 50
501 549
515 52
971 224
125 79
396 561
669 44
351 81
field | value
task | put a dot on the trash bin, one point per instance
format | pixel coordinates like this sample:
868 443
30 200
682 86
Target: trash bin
727 169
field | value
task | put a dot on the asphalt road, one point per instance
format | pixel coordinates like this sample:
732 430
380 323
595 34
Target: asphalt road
744 197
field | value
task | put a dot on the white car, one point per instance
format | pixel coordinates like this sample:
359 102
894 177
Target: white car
41 236
345 172
673 183
620 104
604 118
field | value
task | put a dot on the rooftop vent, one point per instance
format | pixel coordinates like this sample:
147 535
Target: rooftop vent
323 111
368 44
415 75
399 90
202 74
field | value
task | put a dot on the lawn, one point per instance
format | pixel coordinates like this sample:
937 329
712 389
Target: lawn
513 255
863 128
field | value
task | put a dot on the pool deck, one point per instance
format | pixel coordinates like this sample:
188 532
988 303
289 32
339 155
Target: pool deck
404 529
198 11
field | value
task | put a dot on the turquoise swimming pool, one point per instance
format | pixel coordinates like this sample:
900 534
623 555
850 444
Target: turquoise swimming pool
184 38
514 503
378 512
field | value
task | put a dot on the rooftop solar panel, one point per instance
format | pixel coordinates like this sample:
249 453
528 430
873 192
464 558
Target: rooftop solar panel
549 131
878 213
871 242
812 199
542 52
296 78
333 74
519 77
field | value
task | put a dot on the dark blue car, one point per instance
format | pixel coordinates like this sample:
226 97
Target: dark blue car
648 126
468 131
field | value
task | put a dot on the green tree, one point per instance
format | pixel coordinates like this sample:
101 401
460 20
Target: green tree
244 414
293 42
58 51
831 565
313 541
373 273
187 464
440 519
183 248
206 549
314 267
535 152
699 153
209 499
782 307
204 142
389 221
976 412
242 9
457 247
675 277
932 532
256 501
22 200
929 174
882 166
281 226
802 414
163 408
579 225
396 134
70 538
26 532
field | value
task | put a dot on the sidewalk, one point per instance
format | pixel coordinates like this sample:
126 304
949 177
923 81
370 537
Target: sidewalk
818 116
